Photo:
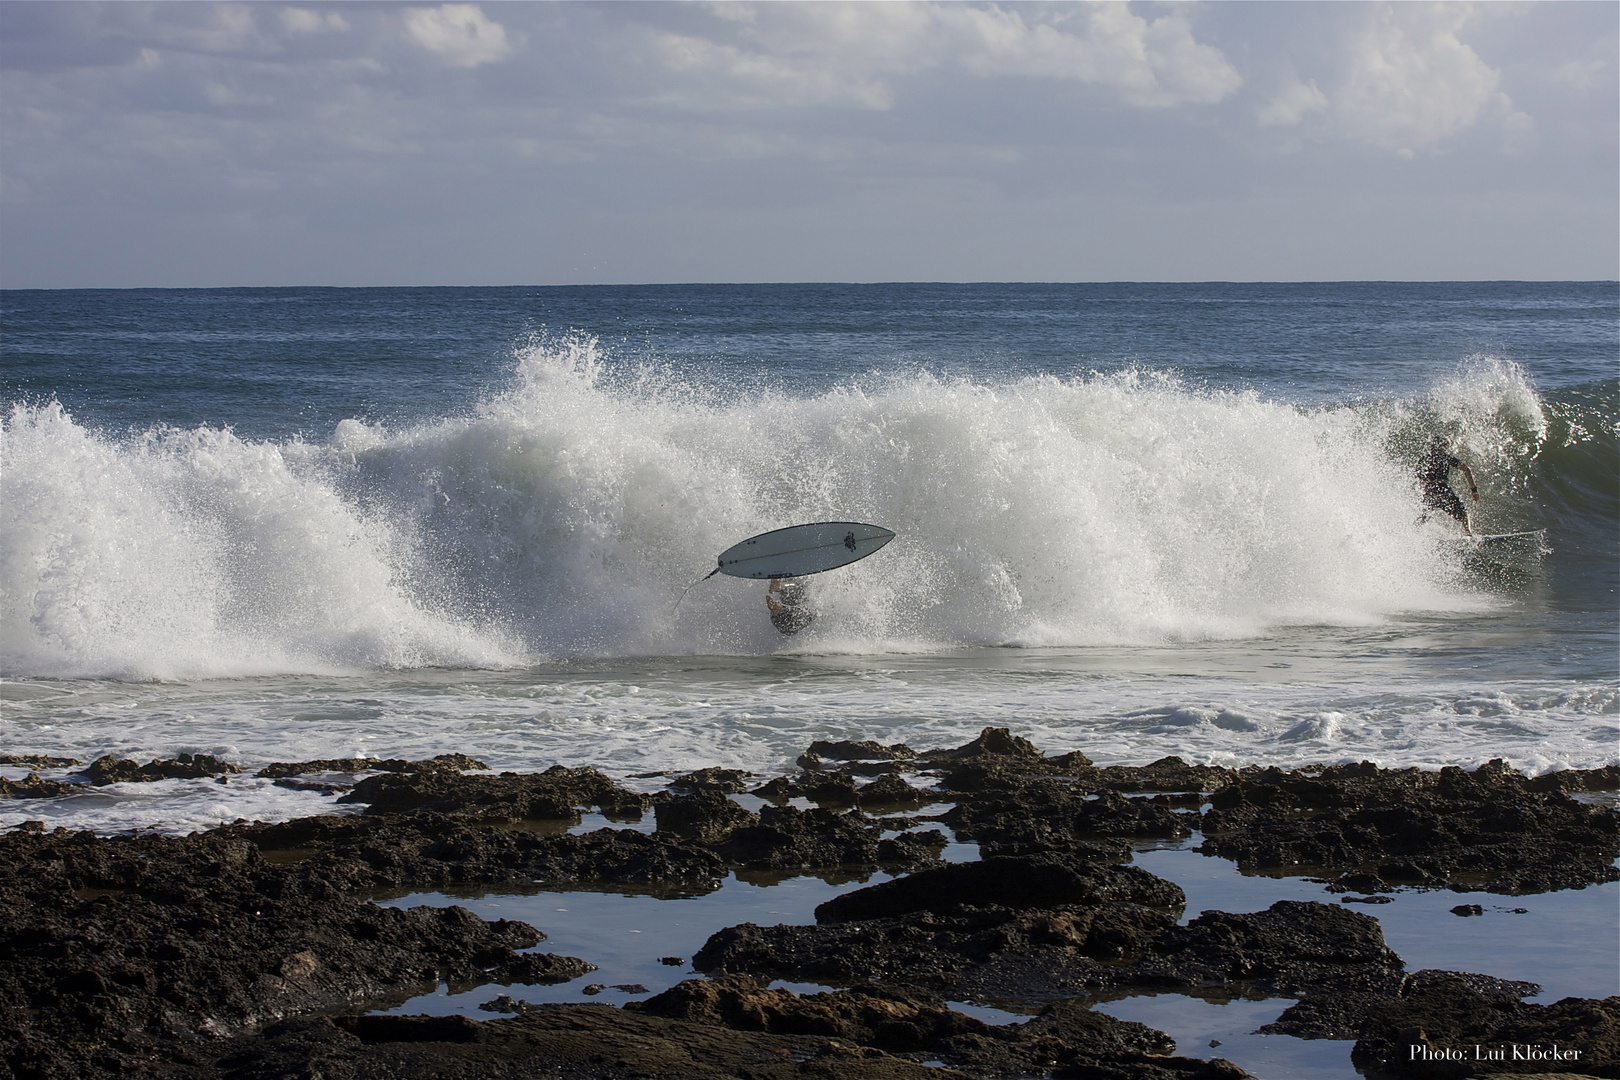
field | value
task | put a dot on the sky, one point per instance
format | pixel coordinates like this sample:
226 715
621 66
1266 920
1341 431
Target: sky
197 144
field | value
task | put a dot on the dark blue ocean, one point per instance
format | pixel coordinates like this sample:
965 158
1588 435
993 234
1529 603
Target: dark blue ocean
1134 519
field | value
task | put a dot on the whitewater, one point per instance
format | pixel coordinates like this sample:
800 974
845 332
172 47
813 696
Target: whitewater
1128 559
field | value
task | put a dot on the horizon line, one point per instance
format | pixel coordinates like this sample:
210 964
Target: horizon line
843 284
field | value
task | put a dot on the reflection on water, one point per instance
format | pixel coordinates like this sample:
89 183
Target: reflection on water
642 943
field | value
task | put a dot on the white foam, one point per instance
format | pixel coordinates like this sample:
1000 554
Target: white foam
565 516
628 717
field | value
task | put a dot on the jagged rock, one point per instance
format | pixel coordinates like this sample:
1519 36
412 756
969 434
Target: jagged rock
891 791
32 787
1492 828
110 770
718 781
38 761
557 794
844 750
1014 882
787 838
707 817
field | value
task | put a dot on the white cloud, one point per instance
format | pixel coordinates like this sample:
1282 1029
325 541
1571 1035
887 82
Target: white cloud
850 54
1290 105
1580 74
303 21
460 33
1412 83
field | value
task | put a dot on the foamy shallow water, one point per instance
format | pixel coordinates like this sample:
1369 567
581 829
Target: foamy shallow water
1323 696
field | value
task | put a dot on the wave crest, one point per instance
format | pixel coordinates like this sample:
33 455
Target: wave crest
564 516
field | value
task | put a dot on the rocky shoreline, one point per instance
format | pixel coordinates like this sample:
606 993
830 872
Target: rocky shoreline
251 950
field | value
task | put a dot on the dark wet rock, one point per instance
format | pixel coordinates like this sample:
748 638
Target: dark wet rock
1289 946
1490 829
1000 760
1404 1033
892 791
992 742
777 790
1000 953
556 794
532 968
423 851
895 1024
1366 883
32 787
718 781
1167 774
1340 1012
1014 882
1003 761
1566 780
565 1042
1056 813
110 770
38 761
204 956
1468 909
1040 954
833 790
1066 1039
864 750
504 1003
707 817
278 769
822 751
138 946
836 790
787 838
325 787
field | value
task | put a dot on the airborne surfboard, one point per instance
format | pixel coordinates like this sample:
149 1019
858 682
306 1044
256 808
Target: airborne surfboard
799 550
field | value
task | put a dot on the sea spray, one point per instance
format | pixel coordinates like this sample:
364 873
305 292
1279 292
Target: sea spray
192 553
564 514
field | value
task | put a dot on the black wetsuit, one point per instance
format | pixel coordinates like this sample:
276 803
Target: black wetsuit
1434 475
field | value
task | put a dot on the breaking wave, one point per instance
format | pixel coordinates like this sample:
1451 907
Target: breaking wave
565 515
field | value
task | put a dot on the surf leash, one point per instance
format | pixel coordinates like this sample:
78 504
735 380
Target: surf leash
694 585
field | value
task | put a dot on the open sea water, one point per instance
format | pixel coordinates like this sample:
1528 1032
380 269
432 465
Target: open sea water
1132 519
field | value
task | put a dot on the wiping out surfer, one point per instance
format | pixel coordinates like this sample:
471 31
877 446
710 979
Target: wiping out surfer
785 599
1434 477
783 556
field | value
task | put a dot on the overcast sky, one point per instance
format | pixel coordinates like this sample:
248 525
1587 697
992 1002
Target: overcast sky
380 144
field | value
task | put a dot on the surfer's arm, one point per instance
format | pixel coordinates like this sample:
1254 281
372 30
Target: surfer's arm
1469 476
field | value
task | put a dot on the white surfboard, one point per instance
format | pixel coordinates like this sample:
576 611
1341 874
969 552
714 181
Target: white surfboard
802 549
